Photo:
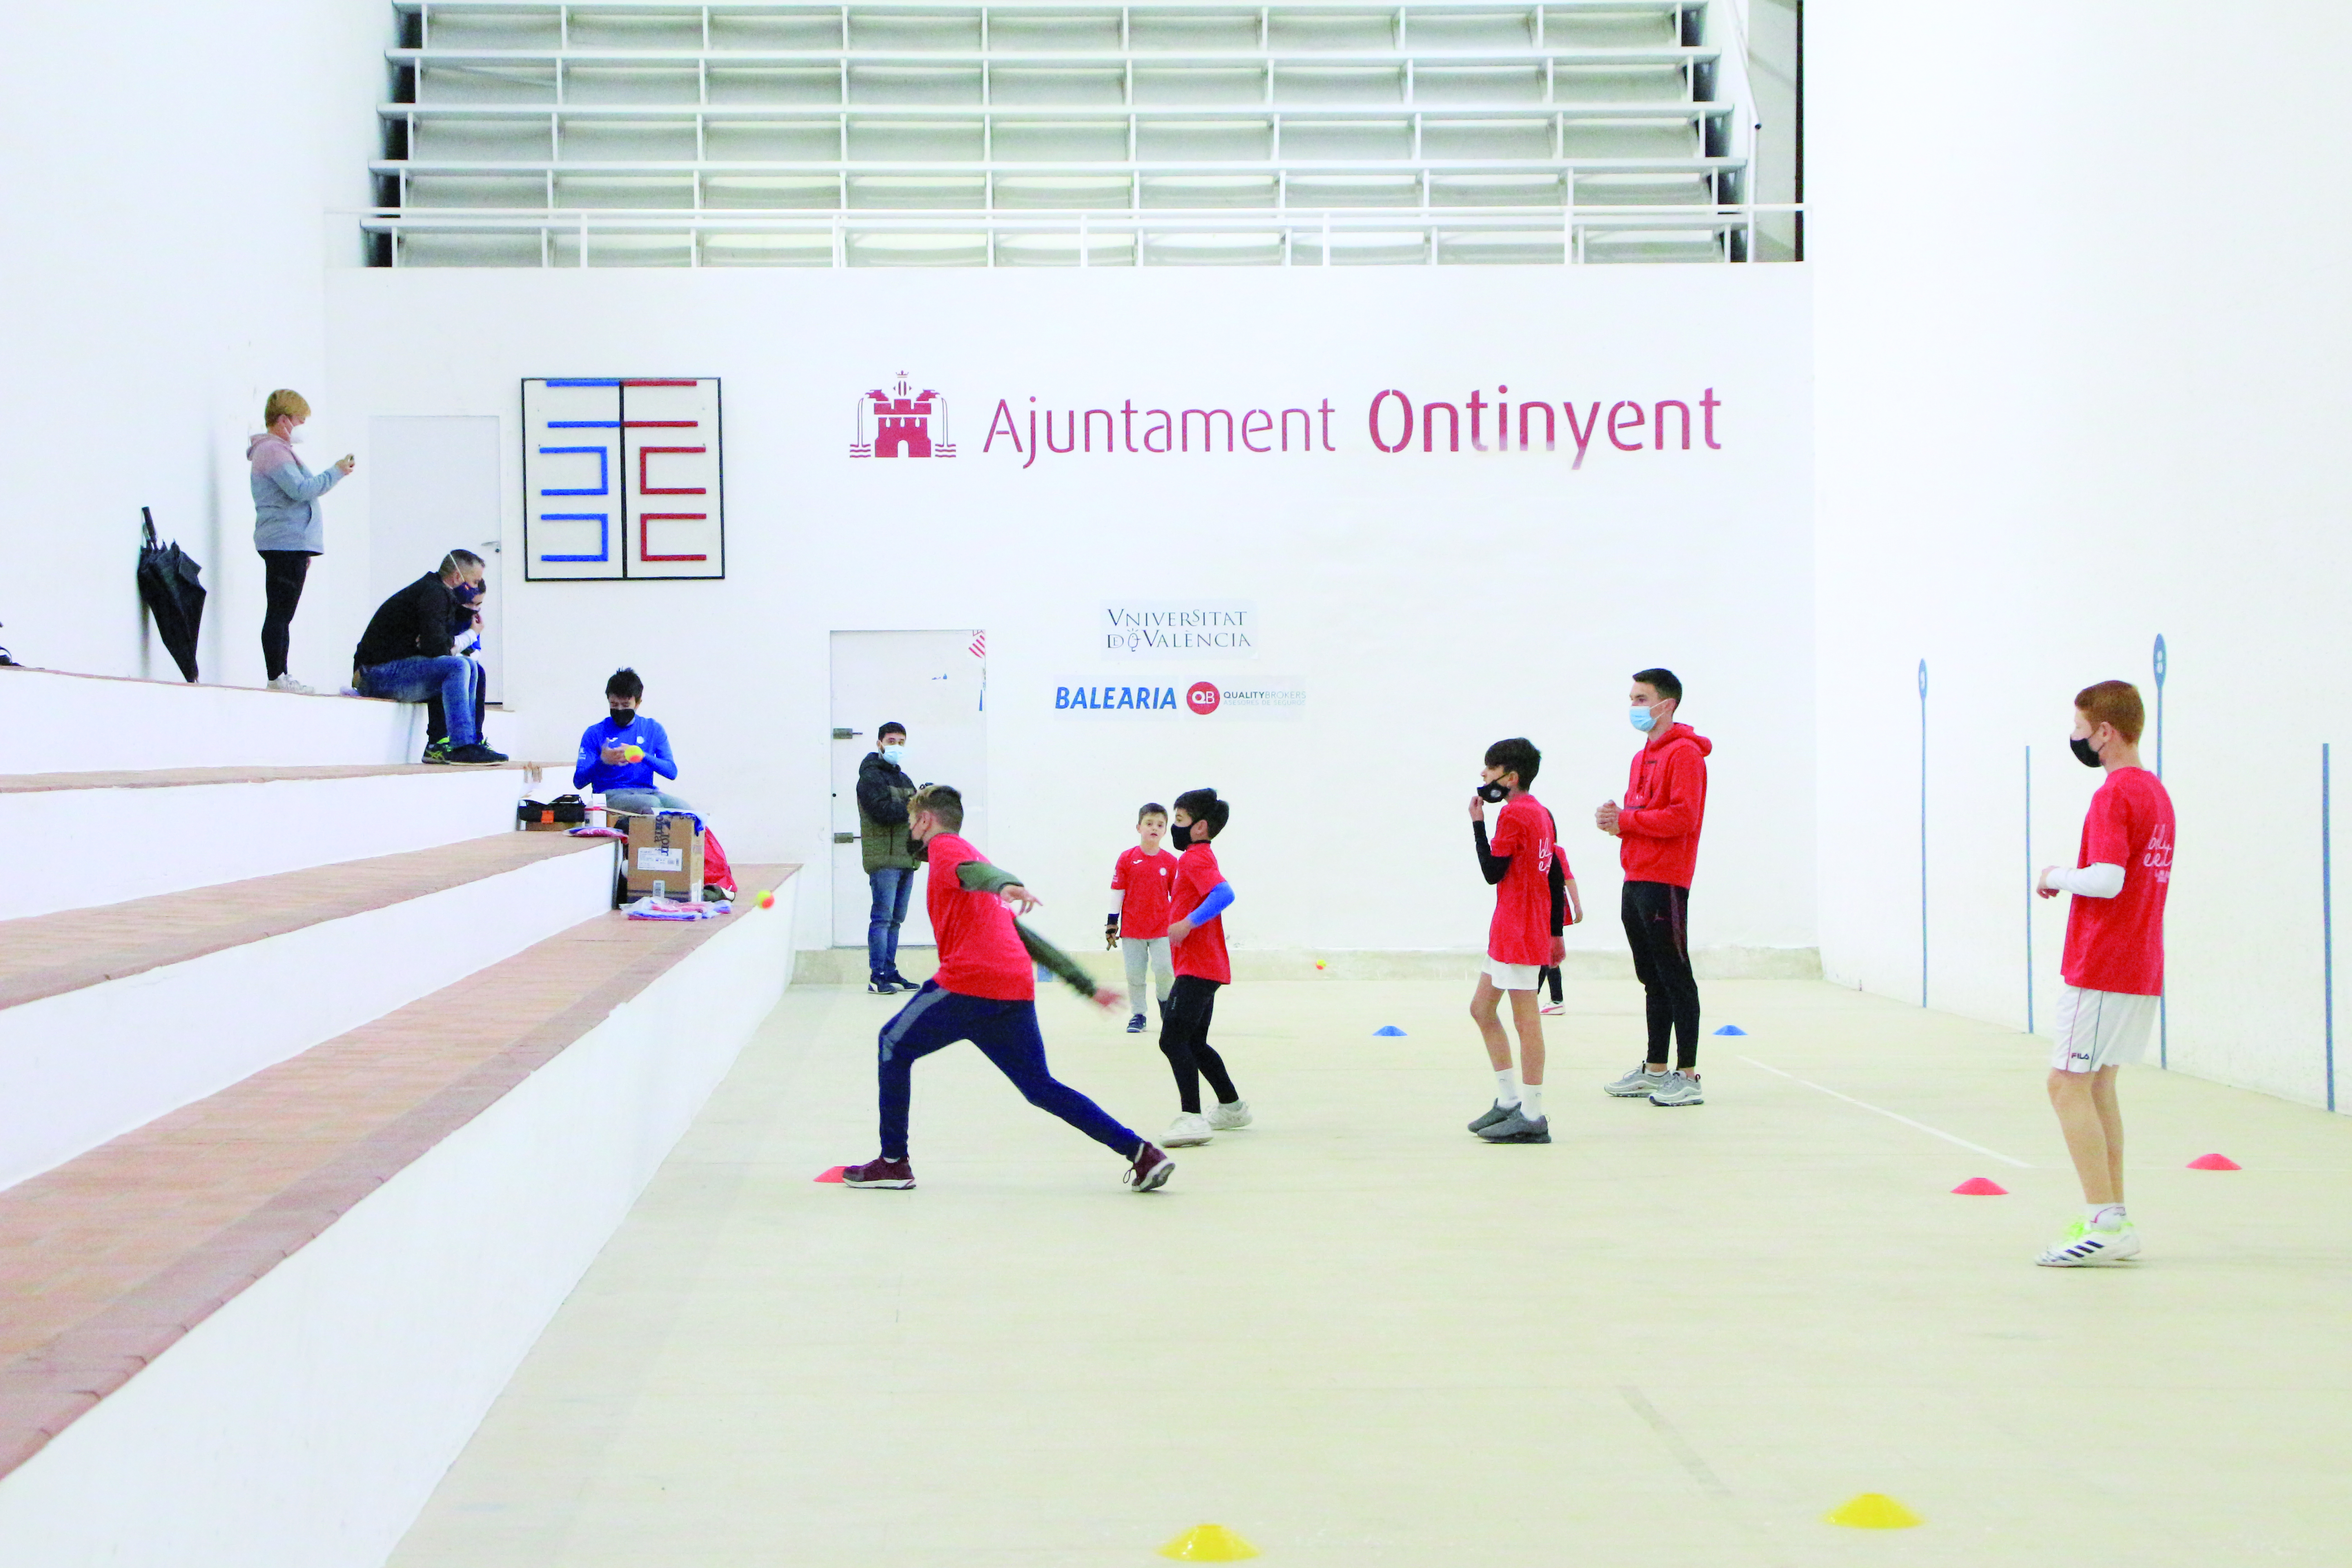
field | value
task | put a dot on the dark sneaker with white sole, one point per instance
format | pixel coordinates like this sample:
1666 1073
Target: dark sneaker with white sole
1135 1024
1516 1129
476 755
1495 1112
1150 1170
896 1174
435 750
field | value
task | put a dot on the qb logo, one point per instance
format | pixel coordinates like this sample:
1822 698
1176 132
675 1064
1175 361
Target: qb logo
1201 697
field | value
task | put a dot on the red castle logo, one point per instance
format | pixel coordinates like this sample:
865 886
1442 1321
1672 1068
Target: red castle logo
903 424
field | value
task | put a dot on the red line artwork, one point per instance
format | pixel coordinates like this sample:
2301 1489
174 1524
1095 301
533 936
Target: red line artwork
644 543
647 487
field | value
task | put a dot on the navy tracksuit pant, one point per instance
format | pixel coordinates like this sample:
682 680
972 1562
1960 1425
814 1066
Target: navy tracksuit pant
1006 1034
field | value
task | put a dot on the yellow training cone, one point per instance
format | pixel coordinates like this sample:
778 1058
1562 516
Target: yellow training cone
1209 1543
1874 1510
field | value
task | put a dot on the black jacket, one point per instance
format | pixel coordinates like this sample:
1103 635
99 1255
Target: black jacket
882 792
413 624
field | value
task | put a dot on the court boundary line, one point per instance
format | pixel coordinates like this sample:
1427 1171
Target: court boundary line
1894 1116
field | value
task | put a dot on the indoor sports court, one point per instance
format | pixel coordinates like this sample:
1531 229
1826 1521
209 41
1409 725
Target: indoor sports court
938 781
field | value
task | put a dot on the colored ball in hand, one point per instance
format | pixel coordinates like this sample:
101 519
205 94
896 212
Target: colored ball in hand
633 753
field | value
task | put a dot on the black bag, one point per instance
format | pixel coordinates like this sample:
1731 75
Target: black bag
171 585
563 809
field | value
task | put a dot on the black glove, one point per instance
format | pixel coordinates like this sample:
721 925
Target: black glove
1110 934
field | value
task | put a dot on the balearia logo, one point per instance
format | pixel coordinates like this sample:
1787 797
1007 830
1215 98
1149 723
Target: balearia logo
905 423
1201 699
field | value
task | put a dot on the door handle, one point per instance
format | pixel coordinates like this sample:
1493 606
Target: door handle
844 838
841 734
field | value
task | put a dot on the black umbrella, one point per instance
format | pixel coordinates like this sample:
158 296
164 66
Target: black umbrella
171 585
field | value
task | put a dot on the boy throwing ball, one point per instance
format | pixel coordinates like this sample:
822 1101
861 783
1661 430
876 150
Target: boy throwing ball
2114 963
985 992
1535 900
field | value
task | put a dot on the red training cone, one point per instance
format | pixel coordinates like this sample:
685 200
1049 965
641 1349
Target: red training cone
832 1175
2214 1163
1981 1187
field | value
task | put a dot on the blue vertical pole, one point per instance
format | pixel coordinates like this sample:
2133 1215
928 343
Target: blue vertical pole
1922 833
2327 914
2163 1001
2029 889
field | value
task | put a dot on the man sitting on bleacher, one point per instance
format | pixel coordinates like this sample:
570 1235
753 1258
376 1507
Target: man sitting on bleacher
406 655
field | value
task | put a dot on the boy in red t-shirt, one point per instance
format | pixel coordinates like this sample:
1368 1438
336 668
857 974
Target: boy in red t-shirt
1535 900
2114 963
1144 877
1197 939
985 992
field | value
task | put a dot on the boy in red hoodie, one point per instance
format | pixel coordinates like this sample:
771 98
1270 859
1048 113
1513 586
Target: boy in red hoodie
985 992
1657 834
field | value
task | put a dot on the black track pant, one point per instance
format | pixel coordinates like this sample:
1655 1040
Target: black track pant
283 572
1184 1041
1657 925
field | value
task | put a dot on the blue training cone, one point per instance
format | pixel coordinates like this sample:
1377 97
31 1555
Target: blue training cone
1731 1029
1388 1029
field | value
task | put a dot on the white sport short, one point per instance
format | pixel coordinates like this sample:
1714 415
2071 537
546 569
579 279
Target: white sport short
1512 976
2101 1029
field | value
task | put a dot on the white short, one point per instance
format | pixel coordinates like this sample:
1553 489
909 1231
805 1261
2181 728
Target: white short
2101 1029
1512 976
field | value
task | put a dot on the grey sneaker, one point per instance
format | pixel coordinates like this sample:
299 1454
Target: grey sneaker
1639 1084
1516 1129
1678 1089
1495 1112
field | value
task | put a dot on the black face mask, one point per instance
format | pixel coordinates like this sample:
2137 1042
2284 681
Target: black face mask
1494 794
624 717
1180 835
2085 754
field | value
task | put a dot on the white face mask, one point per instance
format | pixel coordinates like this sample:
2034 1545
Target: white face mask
297 435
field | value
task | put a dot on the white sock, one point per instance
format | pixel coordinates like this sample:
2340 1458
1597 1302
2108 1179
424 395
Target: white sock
1531 1101
1506 1087
2104 1216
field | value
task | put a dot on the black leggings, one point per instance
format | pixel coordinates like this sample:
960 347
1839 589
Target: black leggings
1550 975
283 572
1657 924
1184 1041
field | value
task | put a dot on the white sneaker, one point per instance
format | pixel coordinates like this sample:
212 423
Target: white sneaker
1189 1130
288 683
1225 1117
2087 1247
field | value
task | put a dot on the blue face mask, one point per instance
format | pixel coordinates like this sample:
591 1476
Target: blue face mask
1644 720
894 754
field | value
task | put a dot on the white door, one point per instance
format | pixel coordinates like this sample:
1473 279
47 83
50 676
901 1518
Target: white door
936 684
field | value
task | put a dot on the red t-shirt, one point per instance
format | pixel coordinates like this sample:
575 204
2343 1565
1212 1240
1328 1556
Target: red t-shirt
1202 952
1147 880
1521 929
980 952
2117 945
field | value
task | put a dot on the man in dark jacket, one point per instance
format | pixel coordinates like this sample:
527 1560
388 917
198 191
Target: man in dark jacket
405 655
883 790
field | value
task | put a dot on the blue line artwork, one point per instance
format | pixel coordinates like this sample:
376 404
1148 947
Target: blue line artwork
603 472
604 521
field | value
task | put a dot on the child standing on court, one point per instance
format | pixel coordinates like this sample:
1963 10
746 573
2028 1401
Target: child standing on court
1196 939
1145 877
2114 963
1535 900
985 992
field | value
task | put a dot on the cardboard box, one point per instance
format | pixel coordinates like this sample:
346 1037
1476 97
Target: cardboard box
663 847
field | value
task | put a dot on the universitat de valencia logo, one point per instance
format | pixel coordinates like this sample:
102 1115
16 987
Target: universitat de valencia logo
904 422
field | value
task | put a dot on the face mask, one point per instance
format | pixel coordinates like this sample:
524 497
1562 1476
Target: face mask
299 436
1494 794
1180 835
894 755
1644 720
2085 754
624 717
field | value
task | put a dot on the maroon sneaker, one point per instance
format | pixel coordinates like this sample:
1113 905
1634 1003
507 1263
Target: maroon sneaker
1150 1171
879 1173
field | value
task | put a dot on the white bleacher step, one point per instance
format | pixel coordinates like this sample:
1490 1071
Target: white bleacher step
113 1016
79 840
56 721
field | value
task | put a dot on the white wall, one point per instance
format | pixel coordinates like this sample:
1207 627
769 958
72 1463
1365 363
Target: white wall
166 171
2081 338
1430 603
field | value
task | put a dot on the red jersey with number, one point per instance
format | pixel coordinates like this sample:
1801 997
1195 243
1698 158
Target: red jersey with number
1203 950
980 952
2117 945
1148 882
1521 929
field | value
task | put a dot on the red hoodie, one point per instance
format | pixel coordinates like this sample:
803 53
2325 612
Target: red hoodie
1665 801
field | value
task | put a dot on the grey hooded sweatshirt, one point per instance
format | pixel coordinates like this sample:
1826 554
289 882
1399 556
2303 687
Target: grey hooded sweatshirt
286 497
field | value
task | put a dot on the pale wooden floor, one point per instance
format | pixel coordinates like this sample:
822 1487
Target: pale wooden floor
1359 1336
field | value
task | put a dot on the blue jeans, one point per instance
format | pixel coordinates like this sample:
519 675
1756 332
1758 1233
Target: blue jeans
1006 1034
892 886
450 678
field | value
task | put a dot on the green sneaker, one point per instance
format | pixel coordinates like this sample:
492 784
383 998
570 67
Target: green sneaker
435 750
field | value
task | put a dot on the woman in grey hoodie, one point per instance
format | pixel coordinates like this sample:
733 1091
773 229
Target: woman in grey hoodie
286 526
